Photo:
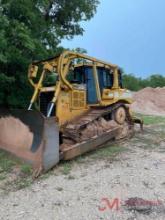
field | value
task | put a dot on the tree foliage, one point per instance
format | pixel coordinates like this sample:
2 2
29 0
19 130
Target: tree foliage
135 83
32 30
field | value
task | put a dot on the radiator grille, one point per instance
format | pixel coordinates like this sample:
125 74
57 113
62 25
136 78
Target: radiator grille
78 99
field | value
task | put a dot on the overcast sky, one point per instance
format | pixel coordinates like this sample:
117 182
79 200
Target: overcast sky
130 33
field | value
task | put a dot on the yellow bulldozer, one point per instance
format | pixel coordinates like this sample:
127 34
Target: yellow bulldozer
78 105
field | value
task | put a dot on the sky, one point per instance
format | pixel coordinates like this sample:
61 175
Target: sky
129 33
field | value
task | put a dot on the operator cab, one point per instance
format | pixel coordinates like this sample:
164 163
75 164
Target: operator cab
82 77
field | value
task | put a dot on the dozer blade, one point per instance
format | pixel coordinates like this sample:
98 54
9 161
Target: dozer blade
31 137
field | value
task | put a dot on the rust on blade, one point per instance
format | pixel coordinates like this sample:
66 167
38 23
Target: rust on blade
25 134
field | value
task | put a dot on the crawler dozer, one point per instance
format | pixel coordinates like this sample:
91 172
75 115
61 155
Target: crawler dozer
78 104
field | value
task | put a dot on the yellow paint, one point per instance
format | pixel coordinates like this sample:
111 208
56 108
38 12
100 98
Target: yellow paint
70 102
65 110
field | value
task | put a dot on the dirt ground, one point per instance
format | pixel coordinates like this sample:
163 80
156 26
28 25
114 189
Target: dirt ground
86 188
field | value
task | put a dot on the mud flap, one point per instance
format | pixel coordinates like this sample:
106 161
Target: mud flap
31 137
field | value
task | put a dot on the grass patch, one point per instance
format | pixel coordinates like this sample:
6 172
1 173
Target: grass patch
151 120
20 183
6 161
23 183
66 168
46 175
108 151
17 175
80 159
26 169
17 184
2 176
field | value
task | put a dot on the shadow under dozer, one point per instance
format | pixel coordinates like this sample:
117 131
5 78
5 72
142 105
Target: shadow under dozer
31 137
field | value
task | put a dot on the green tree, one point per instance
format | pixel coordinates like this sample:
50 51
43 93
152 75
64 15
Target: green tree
156 80
131 82
134 83
80 50
31 30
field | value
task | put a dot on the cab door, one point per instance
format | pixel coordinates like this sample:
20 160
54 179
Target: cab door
91 86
